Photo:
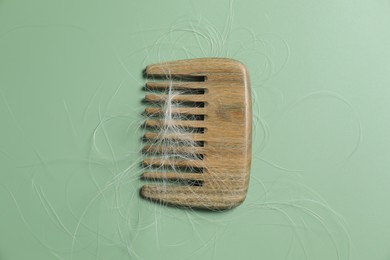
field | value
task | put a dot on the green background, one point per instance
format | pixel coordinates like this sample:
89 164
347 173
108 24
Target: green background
70 109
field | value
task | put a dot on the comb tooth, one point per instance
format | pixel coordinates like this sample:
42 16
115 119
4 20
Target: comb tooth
175 123
178 110
172 68
176 98
176 195
173 176
173 163
160 149
195 67
189 196
175 136
174 85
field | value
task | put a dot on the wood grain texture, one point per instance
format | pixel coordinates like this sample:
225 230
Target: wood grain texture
226 139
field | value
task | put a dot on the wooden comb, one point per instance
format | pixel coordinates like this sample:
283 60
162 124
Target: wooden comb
212 151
